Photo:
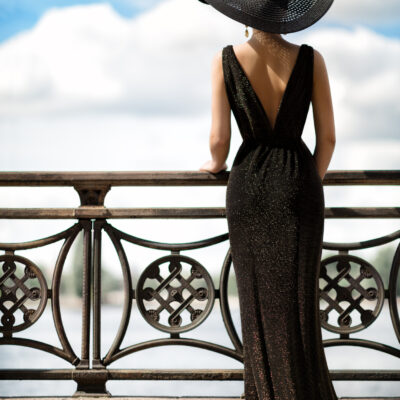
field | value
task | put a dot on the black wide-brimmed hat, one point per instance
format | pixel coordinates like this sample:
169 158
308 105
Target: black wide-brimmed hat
275 16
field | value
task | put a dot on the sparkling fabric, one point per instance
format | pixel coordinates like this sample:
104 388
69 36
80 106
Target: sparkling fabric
275 214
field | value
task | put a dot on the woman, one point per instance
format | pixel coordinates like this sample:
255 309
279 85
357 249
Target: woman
274 198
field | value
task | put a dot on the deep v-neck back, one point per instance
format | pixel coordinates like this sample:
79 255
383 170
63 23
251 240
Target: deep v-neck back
285 92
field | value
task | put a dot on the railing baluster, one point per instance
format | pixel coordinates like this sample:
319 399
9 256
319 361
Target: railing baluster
98 226
182 273
86 296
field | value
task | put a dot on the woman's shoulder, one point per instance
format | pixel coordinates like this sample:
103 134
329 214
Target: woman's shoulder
319 63
317 54
217 59
318 60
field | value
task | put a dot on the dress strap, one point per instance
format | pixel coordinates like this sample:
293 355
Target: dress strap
228 76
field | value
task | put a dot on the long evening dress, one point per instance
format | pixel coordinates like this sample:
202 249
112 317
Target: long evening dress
275 214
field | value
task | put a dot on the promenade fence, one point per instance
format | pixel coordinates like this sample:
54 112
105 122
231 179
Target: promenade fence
182 299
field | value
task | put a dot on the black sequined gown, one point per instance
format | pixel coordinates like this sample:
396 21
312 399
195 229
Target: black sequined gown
275 214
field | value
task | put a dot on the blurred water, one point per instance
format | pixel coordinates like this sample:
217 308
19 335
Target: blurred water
211 329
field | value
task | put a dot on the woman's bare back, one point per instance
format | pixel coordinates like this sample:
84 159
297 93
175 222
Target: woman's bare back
268 61
268 68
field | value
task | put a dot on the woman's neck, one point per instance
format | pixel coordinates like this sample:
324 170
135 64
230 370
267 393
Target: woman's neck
266 39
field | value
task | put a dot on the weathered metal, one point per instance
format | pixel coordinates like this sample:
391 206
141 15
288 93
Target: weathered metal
177 178
181 293
85 212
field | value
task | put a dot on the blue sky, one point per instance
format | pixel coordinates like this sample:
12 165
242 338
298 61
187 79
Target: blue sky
387 28
20 15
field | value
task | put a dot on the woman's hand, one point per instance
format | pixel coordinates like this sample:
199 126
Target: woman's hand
210 166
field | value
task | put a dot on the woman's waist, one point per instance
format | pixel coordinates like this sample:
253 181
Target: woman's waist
255 155
274 141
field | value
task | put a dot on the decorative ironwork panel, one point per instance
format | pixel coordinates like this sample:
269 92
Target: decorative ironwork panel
350 290
22 288
167 297
175 293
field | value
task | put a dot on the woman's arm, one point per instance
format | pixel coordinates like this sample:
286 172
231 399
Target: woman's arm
220 134
323 116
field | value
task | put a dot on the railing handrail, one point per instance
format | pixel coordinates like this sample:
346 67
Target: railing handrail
175 178
92 371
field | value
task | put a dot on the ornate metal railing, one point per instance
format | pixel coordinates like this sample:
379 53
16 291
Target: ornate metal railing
24 289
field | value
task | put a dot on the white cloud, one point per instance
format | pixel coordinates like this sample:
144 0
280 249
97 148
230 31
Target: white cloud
103 142
85 59
89 90
364 11
62 63
89 58
363 67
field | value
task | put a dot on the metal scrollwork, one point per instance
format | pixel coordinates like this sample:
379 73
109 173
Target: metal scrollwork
175 294
20 293
360 288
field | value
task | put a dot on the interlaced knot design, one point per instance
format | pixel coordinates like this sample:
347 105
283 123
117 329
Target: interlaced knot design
20 293
171 295
357 287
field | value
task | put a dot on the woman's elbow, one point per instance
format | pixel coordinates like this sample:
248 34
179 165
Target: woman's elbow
327 137
221 137
220 142
332 141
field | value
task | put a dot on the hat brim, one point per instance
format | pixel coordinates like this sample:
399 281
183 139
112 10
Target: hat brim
238 13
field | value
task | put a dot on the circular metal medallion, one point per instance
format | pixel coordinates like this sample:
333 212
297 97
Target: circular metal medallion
19 291
353 293
175 293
